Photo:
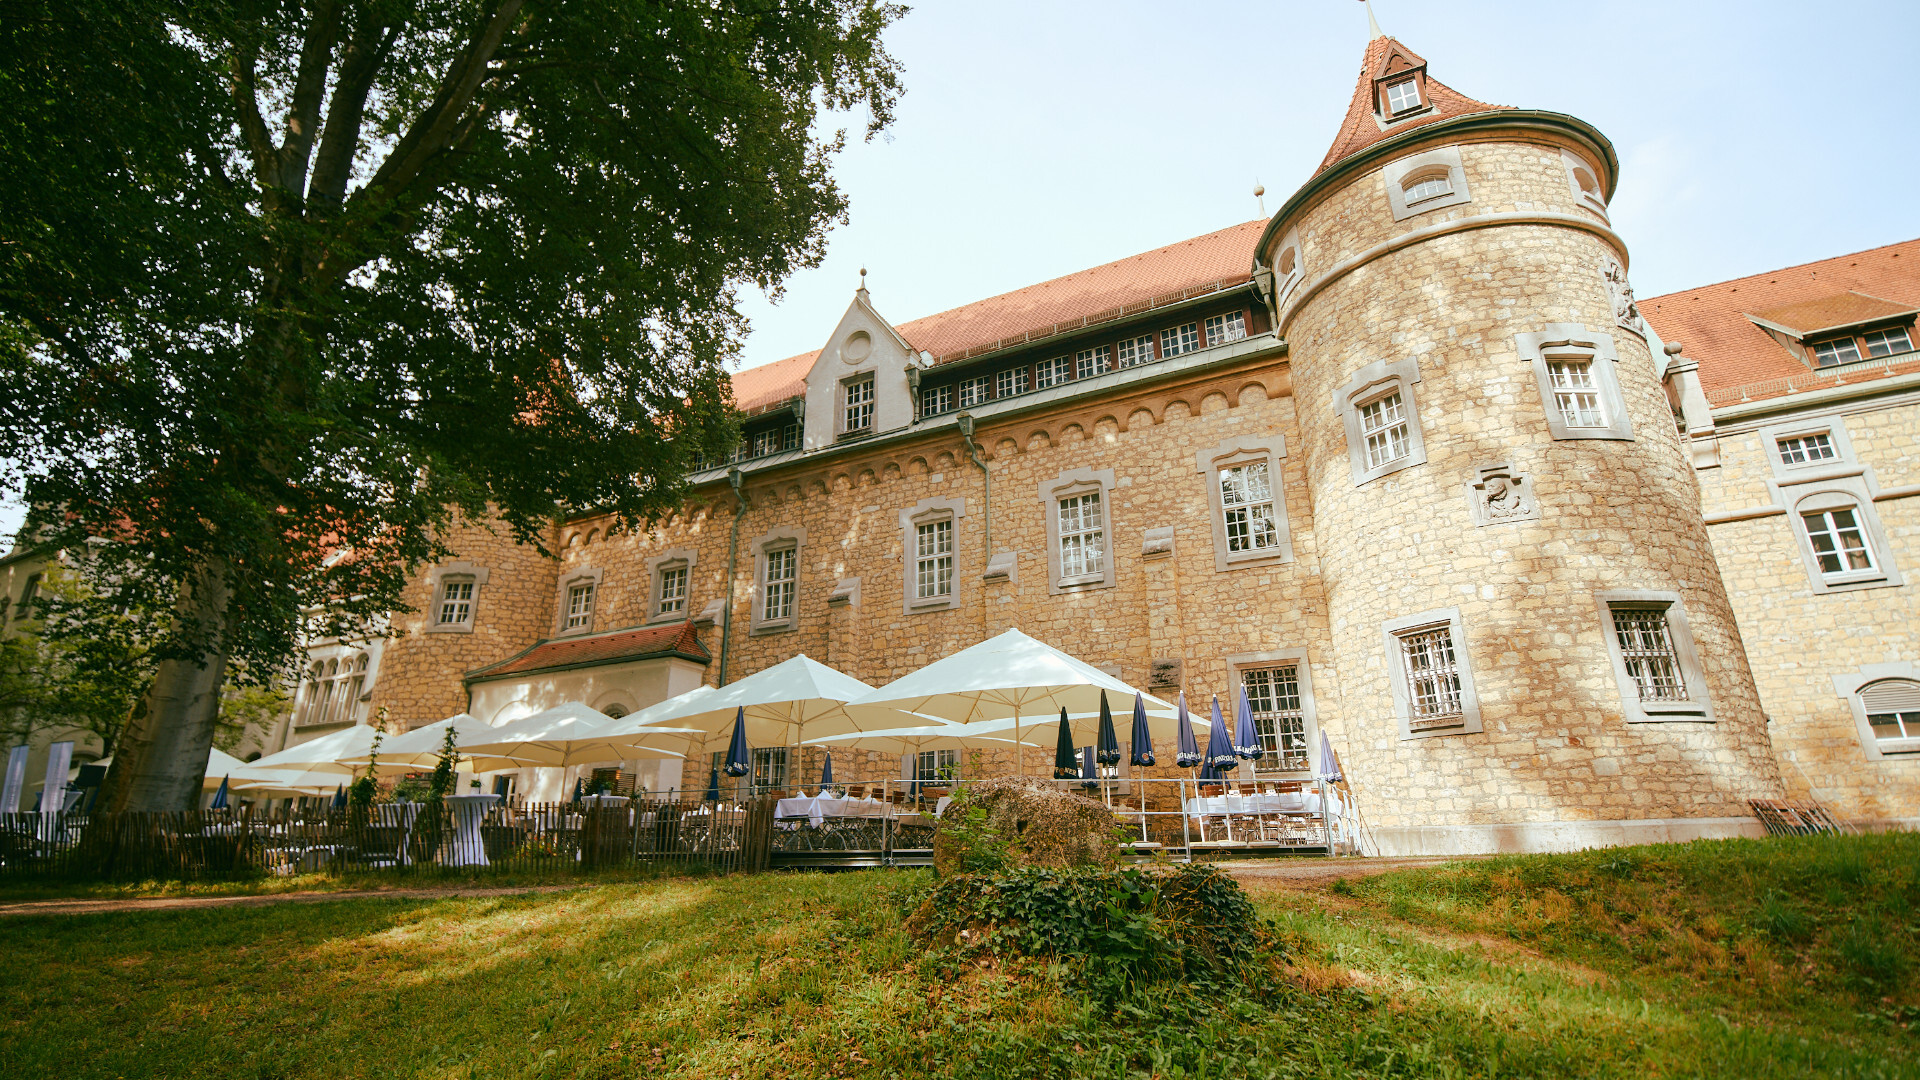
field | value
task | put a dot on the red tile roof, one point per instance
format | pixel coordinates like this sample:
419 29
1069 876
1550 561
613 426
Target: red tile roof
1137 283
1386 56
1738 360
1833 312
673 639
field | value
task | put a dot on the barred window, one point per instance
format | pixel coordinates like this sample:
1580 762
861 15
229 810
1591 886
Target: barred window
1575 393
1091 362
769 770
1179 340
1646 647
1222 329
1887 342
579 606
456 602
673 591
1433 677
1246 496
1383 422
1839 544
1402 96
936 766
1273 696
1806 449
933 560
1082 536
1838 351
973 392
935 400
781 579
858 414
1053 372
1136 351
1010 382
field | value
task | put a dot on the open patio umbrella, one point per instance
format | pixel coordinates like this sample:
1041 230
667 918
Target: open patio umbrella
738 762
571 734
788 704
1142 738
220 796
1066 762
326 754
1219 744
1188 753
1109 742
1246 741
220 766
933 735
1011 676
420 748
284 783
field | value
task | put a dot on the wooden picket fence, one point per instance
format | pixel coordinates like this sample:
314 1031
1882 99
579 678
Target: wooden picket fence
388 839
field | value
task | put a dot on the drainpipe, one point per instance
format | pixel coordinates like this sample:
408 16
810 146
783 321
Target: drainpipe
733 556
986 481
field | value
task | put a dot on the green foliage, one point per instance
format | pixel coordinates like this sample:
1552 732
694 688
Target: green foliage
366 787
978 846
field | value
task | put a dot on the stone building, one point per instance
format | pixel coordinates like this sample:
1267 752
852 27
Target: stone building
1404 463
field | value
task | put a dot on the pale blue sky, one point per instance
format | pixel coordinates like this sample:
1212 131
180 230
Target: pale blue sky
1041 138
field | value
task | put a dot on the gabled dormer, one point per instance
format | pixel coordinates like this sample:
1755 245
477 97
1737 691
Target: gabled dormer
1399 84
862 382
1842 328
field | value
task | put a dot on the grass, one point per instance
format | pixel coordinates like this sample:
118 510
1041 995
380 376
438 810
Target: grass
1740 959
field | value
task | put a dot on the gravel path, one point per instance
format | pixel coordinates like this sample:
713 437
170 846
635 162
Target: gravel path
176 903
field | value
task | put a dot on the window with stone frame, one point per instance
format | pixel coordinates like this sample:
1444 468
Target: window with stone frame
1010 382
856 414
579 606
935 400
1076 506
1381 414
1249 506
779 577
1136 351
1839 541
936 766
1806 449
1053 372
1575 393
974 391
1225 329
1179 340
1383 424
455 607
1432 668
1279 716
1083 536
1655 664
933 560
670 597
1088 363
1246 502
1893 714
1646 648
1426 184
1578 374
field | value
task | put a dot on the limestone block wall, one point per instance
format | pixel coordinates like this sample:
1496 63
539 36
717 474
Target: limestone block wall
1613 515
1798 639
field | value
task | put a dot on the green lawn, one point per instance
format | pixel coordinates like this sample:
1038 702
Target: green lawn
1747 959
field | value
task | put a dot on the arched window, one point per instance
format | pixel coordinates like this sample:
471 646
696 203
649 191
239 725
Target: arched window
350 702
1839 538
1427 184
1893 712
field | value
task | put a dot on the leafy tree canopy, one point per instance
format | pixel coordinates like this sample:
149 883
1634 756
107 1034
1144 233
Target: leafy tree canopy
283 280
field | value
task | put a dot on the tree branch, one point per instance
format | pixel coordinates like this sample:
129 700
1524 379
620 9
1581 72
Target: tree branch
309 89
333 166
246 100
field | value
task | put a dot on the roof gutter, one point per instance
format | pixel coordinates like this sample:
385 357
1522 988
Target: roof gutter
733 559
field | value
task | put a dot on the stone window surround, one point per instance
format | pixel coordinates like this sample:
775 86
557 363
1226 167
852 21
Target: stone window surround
794 537
585 575
1303 675
1592 200
670 559
1563 341
1400 175
1698 708
1376 380
1244 450
1287 278
1833 492
1842 463
921 513
437 578
1390 632
1066 485
1849 687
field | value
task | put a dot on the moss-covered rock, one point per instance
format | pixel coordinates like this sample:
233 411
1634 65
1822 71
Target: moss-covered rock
1019 821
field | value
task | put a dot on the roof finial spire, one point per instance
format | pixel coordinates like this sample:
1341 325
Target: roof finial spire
1373 24
863 281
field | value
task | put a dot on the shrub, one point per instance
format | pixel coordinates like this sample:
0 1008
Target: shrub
1018 821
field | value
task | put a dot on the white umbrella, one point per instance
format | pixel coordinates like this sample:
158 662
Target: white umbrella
570 734
420 748
220 765
983 734
786 704
1009 677
277 783
328 753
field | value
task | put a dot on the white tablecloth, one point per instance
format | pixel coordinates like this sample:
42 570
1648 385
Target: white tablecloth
1261 804
819 808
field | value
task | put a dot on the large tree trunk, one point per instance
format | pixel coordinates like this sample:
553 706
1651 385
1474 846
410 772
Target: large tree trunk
161 760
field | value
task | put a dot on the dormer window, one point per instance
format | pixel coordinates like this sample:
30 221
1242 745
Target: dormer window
857 411
1887 342
1837 351
1403 96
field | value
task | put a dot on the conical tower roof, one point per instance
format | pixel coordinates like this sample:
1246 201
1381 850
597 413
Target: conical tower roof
1389 63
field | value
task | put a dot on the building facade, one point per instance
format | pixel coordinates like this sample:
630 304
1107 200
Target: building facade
1404 464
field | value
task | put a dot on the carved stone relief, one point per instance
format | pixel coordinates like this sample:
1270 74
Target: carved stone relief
1502 494
1626 311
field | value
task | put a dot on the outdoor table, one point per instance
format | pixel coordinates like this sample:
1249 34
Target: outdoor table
466 847
819 809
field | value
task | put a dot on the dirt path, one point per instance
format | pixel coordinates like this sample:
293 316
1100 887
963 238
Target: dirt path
86 906
1320 873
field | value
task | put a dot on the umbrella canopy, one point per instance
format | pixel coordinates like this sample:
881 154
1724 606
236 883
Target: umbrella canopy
1142 754
1187 753
328 753
220 796
1246 741
1109 745
1065 762
785 705
279 783
1329 765
739 762
1219 744
570 734
986 735
220 766
826 770
420 748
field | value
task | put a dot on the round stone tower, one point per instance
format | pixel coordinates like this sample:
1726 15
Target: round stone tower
1532 639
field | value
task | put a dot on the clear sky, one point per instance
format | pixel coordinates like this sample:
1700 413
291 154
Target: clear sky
1038 138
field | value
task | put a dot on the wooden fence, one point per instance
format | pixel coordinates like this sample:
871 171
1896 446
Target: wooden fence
552 837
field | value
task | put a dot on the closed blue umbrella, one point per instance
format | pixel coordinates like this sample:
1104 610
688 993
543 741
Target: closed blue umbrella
1089 770
738 762
1329 765
713 785
339 796
220 795
1219 745
1188 754
579 789
1208 772
1108 752
1142 738
826 770
1246 741
1066 763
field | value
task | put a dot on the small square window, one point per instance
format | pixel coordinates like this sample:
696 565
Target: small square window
858 413
933 560
1082 536
973 391
1010 382
1222 329
673 591
1837 351
935 400
1054 372
1807 449
1887 342
782 572
1136 351
456 603
1575 393
1383 423
579 606
1179 340
1091 362
1403 95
